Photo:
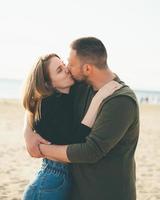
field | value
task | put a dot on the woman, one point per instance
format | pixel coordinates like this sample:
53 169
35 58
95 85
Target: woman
45 97
48 102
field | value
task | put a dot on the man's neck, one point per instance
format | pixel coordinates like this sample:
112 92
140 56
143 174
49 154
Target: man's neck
100 78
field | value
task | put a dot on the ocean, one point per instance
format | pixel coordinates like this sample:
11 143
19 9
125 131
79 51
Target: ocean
11 89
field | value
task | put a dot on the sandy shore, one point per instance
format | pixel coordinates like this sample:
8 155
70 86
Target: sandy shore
16 167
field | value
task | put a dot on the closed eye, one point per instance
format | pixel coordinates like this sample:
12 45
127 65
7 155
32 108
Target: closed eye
59 69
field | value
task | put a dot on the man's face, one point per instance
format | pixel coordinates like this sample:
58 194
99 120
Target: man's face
75 66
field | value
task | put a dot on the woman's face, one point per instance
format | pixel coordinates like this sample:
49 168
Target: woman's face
59 75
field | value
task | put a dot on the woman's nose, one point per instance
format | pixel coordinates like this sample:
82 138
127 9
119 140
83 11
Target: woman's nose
66 70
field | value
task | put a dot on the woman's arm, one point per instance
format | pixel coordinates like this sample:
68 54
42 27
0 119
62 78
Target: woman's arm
32 139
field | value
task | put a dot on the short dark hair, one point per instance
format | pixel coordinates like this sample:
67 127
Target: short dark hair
91 50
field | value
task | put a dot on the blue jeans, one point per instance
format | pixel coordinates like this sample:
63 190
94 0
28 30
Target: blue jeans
52 182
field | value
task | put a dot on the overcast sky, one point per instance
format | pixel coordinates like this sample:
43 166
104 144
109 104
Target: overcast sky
129 29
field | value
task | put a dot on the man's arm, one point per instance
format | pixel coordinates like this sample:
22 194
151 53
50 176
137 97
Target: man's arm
55 152
110 126
114 119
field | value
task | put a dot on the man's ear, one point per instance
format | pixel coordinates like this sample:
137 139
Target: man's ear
87 69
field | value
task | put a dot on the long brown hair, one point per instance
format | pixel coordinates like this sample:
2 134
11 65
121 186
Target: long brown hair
37 86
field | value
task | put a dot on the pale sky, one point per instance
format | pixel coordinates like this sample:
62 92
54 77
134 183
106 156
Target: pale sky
130 30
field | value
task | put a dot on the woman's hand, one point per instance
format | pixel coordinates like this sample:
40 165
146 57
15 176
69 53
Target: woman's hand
32 140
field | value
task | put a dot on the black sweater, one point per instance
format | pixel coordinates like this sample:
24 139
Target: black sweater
56 120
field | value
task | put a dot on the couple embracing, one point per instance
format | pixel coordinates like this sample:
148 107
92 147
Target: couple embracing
83 121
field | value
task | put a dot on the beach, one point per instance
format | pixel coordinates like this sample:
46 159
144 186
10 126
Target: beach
17 167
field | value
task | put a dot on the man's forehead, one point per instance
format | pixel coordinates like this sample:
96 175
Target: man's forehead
72 54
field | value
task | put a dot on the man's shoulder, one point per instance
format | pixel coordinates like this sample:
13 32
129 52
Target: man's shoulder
125 92
121 106
124 97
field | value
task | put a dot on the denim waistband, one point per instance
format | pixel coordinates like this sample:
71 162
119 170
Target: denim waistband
51 164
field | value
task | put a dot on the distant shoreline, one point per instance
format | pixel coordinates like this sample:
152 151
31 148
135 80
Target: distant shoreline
135 89
14 102
12 89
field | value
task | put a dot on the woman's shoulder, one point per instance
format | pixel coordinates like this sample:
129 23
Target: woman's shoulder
49 99
79 87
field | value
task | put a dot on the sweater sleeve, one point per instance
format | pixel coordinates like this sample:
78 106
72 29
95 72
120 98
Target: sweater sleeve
112 122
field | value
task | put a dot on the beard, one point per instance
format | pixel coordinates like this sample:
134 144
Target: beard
81 79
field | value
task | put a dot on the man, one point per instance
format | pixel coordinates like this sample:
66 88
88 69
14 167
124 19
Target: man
103 163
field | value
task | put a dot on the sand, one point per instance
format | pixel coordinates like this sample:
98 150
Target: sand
17 167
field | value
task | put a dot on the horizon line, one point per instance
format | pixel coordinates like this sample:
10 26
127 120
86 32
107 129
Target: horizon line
135 89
